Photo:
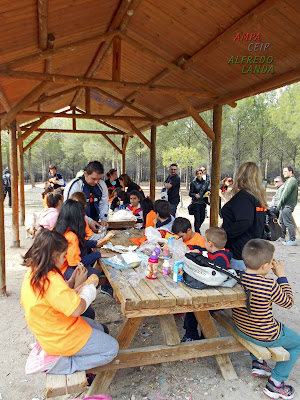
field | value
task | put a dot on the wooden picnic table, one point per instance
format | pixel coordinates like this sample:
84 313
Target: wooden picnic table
121 224
162 297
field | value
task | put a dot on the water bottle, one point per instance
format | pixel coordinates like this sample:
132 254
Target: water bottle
152 266
166 268
121 207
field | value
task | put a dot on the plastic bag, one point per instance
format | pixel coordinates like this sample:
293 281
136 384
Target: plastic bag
123 261
153 235
178 249
131 276
122 215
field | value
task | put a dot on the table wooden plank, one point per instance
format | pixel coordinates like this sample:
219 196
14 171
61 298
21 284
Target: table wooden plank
228 293
147 296
181 295
120 224
166 298
213 295
169 330
240 292
198 296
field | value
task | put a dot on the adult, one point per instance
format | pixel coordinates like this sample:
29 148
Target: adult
279 184
56 180
126 182
205 176
198 188
287 202
6 179
172 184
223 192
112 181
96 192
244 214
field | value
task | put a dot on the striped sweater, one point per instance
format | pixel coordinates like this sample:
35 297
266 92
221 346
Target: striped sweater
261 324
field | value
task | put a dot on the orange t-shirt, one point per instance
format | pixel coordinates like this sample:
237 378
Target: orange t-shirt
150 217
88 231
49 317
197 240
73 252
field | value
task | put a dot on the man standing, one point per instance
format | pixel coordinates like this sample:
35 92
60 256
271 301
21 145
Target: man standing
56 180
6 185
286 205
172 184
279 184
96 192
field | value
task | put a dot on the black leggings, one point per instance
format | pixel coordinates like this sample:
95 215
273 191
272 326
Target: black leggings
199 214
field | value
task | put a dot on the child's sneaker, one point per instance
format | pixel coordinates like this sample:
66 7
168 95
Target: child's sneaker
261 370
285 392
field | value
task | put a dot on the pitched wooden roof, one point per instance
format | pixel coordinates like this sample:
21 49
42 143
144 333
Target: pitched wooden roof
153 60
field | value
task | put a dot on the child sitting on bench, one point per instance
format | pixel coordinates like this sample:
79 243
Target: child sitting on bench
53 311
183 228
260 327
216 239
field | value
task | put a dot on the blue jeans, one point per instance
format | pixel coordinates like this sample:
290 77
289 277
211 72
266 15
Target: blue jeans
174 209
290 341
237 264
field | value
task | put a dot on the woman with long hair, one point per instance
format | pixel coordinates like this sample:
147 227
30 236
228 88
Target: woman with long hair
71 224
66 341
198 188
244 214
126 182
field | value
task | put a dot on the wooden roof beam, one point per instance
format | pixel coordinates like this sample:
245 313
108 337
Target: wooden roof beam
78 131
29 131
168 64
24 103
92 82
253 15
138 133
43 23
195 115
116 63
122 16
42 55
33 141
105 123
50 114
7 106
44 99
112 143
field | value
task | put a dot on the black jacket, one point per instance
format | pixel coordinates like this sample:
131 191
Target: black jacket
199 187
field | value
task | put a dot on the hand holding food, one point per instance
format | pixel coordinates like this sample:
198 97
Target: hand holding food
106 239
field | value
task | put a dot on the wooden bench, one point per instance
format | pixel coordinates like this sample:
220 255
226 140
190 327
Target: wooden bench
262 353
60 385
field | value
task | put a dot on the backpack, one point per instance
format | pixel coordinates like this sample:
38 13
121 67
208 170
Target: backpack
5 180
200 273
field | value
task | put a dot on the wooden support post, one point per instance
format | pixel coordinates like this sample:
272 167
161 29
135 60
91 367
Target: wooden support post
14 184
74 120
87 100
123 159
2 234
216 165
116 64
153 163
21 184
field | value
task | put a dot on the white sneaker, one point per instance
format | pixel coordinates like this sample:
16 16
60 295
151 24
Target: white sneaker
290 243
281 239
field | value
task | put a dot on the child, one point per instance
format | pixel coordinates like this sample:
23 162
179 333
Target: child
260 327
120 195
216 239
71 224
49 215
164 219
53 311
47 189
135 207
148 213
183 228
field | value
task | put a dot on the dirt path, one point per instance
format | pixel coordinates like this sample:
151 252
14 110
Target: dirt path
190 380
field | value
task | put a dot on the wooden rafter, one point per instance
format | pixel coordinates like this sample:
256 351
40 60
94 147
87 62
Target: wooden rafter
138 133
116 64
50 114
88 100
257 12
44 99
195 115
29 131
78 131
70 47
24 103
112 143
168 64
7 106
105 123
33 141
121 15
92 82
43 23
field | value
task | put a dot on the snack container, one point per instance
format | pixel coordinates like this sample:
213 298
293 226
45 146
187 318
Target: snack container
166 268
152 266
166 252
177 271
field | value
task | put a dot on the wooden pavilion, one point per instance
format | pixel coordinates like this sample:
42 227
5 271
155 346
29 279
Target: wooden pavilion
132 65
